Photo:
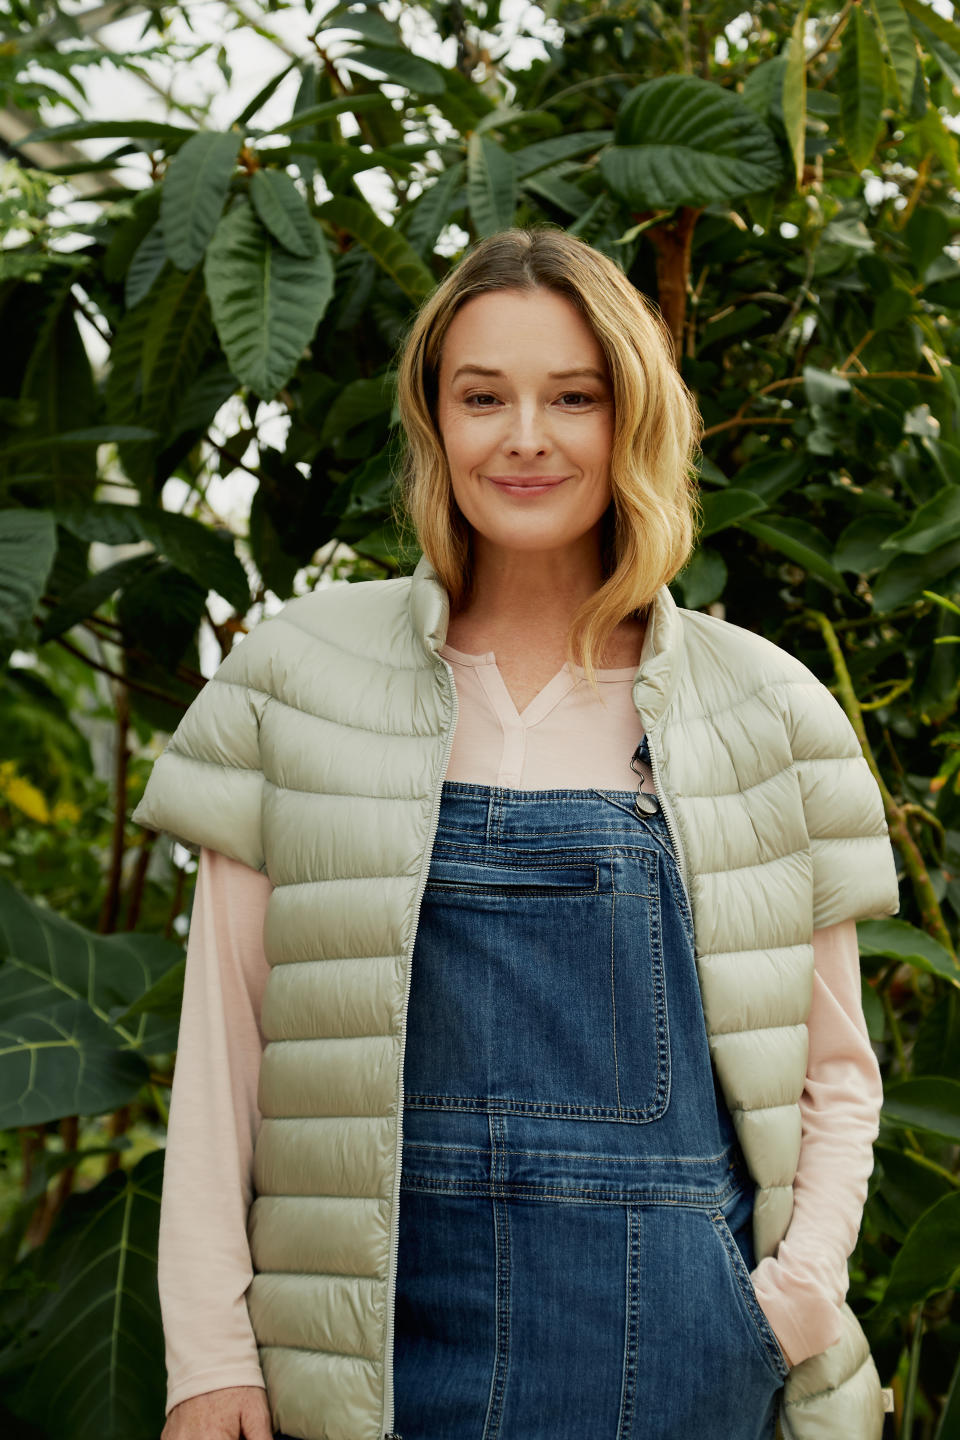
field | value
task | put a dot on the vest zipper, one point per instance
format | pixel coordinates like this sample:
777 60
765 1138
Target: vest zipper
668 814
388 1397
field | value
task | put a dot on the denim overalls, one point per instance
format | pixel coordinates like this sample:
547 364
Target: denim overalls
575 1211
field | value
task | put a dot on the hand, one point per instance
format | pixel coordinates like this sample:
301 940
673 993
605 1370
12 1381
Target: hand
228 1414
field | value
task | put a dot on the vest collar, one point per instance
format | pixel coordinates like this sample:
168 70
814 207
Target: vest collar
661 659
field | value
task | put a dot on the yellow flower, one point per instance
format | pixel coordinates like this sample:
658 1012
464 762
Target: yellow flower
19 792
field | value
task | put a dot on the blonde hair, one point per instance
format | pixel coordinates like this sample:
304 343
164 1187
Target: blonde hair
649 529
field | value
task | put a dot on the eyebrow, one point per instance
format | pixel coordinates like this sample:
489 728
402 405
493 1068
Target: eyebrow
554 374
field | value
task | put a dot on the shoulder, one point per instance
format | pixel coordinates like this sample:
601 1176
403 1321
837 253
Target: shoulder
730 665
358 619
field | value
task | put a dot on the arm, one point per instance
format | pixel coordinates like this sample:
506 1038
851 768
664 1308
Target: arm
801 1288
204 1265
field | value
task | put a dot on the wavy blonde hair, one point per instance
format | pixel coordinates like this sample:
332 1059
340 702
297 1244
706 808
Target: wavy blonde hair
648 531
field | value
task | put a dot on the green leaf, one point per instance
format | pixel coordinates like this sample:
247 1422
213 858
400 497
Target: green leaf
859 545
48 959
263 95
801 543
416 75
158 350
432 210
907 576
795 92
190 547
28 544
686 141
946 30
266 302
728 507
929 1259
328 109
148 260
59 1059
860 82
107 130
386 243
193 193
703 579
491 185
87 598
357 402
898 940
933 524
545 153
929 1102
88 1359
901 46
283 210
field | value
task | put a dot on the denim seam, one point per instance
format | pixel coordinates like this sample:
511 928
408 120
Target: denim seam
480 1105
520 1190
761 1324
501 1231
528 1152
631 1339
613 1002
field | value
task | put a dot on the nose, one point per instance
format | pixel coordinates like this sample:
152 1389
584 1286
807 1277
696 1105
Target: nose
527 437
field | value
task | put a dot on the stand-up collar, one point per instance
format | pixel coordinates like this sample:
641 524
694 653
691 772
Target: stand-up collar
661 657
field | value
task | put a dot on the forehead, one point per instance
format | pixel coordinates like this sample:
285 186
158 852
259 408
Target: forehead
505 327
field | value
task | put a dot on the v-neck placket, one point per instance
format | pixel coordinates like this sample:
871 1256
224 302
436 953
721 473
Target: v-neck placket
516 724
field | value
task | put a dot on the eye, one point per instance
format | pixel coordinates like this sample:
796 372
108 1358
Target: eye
576 395
480 395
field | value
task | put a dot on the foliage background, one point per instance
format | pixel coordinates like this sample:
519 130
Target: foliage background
781 179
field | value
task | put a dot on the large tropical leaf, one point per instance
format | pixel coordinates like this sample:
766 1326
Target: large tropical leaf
681 140
901 941
901 46
266 302
193 193
207 556
860 82
929 1259
283 210
415 74
391 249
491 185
927 1102
157 352
28 544
85 1357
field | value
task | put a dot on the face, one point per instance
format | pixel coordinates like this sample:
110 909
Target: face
524 395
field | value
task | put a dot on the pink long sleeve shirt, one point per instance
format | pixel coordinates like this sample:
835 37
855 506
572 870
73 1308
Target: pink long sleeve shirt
566 738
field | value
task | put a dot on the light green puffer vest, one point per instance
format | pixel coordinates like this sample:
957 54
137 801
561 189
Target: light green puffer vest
316 753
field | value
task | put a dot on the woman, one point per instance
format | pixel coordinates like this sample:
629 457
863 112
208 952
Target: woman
518 873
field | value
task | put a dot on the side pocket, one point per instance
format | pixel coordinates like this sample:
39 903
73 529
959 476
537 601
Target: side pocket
768 1340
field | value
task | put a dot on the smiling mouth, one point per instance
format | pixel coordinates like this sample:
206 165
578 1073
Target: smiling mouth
526 484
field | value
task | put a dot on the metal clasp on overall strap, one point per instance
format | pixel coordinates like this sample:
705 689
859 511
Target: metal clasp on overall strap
643 803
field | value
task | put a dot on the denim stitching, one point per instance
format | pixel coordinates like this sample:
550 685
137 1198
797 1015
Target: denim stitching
603 1195
501 1230
613 1000
764 1332
631 1341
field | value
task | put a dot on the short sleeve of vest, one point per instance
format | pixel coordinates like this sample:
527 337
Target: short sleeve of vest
854 867
206 786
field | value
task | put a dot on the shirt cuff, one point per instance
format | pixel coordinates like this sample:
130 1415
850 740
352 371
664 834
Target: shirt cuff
804 1319
223 1377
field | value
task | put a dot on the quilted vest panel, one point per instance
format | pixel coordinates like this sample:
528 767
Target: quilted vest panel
316 753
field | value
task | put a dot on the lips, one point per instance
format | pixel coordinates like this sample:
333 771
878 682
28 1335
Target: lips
527 484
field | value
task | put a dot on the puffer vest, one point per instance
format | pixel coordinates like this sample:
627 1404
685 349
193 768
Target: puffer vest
316 753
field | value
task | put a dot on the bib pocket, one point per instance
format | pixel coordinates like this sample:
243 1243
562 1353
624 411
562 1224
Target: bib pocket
538 984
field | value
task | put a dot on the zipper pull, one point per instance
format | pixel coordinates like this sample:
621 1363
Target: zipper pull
644 803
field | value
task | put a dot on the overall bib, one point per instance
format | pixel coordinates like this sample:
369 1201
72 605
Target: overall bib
575 1215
